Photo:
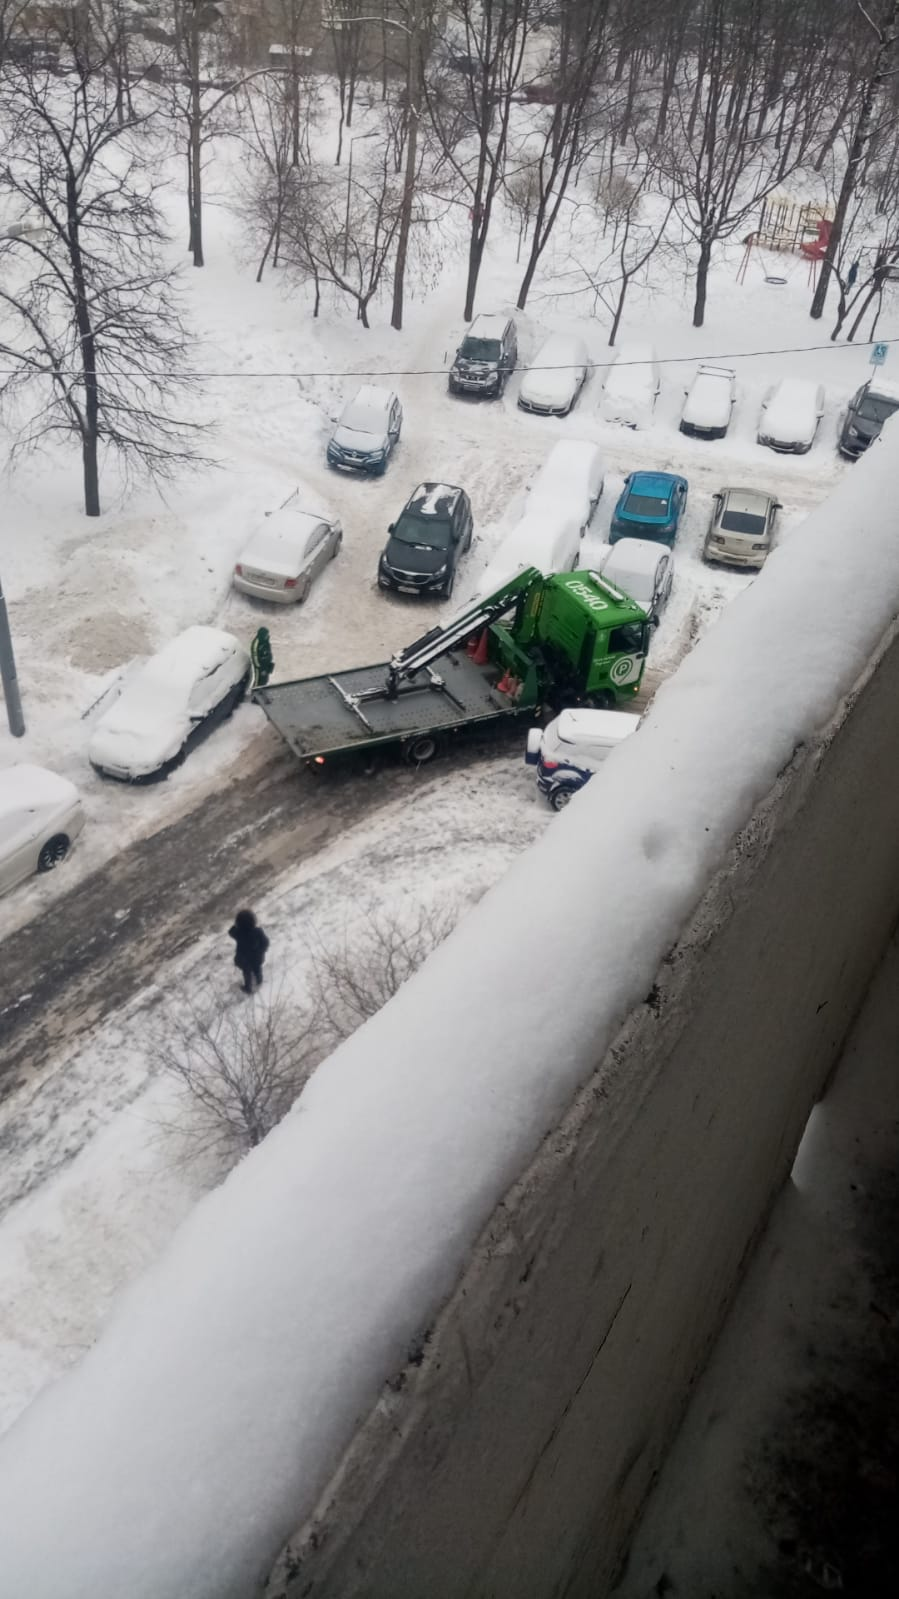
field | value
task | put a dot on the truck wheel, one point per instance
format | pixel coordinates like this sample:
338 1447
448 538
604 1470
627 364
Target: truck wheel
420 750
604 701
561 794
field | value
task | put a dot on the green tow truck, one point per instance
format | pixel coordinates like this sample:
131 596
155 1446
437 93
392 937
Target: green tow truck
567 640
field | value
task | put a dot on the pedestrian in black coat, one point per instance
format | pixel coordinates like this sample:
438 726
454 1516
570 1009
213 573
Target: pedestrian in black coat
251 947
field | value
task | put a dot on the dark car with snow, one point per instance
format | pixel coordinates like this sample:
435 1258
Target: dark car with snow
433 529
486 358
869 408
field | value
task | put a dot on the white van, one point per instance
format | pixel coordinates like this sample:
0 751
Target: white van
632 386
571 749
572 477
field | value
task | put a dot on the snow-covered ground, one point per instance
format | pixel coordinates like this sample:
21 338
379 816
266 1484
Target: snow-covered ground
86 597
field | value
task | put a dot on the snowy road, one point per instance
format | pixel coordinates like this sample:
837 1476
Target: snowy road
96 946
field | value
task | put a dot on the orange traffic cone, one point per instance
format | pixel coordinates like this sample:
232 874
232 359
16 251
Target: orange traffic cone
504 686
478 649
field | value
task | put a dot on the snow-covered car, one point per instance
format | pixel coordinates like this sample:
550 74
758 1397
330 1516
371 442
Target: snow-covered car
632 386
40 814
872 405
282 559
650 506
368 430
553 382
791 412
709 403
642 569
741 531
546 537
170 703
571 749
572 475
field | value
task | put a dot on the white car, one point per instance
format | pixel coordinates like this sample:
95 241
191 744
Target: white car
632 386
572 475
40 814
287 552
710 401
791 412
368 430
571 749
555 379
643 569
546 538
172 702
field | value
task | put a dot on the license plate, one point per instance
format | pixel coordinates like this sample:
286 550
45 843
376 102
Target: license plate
265 579
407 588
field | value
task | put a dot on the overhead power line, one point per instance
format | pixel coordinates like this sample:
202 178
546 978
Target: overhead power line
441 371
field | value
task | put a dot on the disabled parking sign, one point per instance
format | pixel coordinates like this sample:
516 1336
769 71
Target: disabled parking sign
879 354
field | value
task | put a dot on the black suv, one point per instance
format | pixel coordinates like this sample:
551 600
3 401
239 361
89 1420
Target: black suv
868 410
485 360
426 540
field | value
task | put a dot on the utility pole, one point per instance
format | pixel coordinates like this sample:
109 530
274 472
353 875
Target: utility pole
8 674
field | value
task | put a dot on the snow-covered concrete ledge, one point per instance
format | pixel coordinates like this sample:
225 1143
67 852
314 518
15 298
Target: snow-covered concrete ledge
538 1171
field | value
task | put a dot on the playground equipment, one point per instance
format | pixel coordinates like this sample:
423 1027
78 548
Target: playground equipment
789 226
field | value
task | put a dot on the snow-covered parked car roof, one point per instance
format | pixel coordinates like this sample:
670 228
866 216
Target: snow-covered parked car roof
790 414
631 386
572 474
29 786
559 368
434 499
547 538
488 325
633 560
368 409
709 401
584 726
151 720
279 543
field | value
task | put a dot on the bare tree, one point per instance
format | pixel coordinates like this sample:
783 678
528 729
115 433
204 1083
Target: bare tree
884 27
343 234
292 16
495 34
733 136
274 144
635 238
92 322
239 1066
583 43
343 18
355 975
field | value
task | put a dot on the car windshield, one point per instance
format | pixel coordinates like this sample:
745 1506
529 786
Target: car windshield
480 349
742 522
646 505
875 409
426 532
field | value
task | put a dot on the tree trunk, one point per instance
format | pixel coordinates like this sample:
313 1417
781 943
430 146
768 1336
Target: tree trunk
619 310
91 474
702 282
414 96
857 152
196 145
475 257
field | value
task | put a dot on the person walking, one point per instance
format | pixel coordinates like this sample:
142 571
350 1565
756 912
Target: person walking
261 657
251 945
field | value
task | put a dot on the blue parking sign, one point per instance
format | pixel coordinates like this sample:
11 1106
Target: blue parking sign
879 354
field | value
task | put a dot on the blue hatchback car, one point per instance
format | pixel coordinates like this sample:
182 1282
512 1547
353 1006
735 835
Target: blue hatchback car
650 506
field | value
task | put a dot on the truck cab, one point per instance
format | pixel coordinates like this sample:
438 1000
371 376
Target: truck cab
593 638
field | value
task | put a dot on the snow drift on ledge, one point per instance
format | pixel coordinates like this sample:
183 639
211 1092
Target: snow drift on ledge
195 1436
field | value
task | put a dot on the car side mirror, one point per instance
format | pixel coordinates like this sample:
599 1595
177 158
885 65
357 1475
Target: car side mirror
778 505
654 619
391 526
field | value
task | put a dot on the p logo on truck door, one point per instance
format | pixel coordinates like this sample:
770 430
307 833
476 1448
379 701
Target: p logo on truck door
625 669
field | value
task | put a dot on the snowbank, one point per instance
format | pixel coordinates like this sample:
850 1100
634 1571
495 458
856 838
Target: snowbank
192 1439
